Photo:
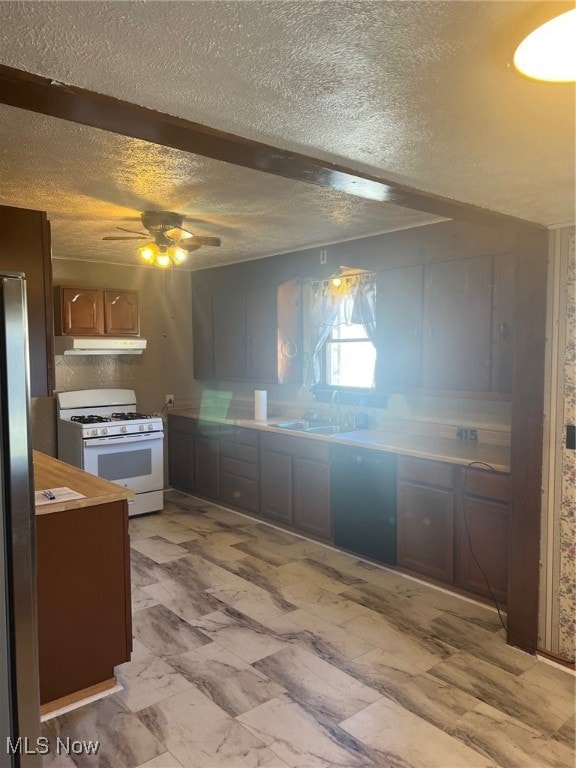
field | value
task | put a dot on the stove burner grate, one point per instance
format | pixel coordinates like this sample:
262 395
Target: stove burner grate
129 416
90 419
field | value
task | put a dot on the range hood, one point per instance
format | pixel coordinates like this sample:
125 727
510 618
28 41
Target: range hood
98 345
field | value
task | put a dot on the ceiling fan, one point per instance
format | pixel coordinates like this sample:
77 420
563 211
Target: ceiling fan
170 244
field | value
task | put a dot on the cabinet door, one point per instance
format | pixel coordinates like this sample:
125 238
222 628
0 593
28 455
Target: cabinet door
483 546
261 334
276 486
181 454
312 498
229 316
121 316
25 247
207 466
92 633
425 530
504 322
458 325
82 311
202 332
399 328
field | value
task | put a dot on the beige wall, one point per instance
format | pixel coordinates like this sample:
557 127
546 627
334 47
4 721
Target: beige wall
165 367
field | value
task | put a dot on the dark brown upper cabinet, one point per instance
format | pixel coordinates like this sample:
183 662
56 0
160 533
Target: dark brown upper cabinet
447 326
25 247
399 328
247 334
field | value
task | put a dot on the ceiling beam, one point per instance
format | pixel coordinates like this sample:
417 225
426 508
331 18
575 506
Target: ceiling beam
48 97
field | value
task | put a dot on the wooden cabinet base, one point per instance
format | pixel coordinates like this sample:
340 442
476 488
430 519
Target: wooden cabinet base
78 696
84 609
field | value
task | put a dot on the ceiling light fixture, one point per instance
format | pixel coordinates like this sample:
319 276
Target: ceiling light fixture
162 256
548 52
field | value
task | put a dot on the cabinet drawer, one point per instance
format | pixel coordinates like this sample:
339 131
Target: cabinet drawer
239 491
207 428
426 472
302 447
489 485
239 451
239 468
181 424
239 435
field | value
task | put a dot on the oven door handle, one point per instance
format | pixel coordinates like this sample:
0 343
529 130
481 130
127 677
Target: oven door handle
94 442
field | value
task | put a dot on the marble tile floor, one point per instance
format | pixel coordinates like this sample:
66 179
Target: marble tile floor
255 647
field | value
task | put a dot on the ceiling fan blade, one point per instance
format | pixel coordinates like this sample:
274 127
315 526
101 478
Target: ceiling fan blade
123 237
199 240
134 232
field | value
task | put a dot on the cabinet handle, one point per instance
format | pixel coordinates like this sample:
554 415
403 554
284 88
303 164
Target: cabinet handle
289 349
503 330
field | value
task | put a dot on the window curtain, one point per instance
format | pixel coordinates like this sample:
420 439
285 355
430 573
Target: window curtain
350 303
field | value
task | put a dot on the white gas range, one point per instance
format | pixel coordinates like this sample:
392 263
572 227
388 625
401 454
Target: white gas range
100 431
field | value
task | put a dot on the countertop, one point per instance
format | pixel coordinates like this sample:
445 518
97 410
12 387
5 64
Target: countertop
405 442
52 473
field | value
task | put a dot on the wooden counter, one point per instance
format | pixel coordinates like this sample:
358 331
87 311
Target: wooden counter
53 473
83 584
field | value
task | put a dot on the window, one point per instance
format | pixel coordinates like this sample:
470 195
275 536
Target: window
342 331
349 357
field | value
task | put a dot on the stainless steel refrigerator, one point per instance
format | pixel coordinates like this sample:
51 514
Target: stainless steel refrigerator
19 688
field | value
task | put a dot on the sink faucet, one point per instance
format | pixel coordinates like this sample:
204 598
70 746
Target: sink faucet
335 406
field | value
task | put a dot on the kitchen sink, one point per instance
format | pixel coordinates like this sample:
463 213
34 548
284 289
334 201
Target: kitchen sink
312 427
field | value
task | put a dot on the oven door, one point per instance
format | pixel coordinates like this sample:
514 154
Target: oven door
134 461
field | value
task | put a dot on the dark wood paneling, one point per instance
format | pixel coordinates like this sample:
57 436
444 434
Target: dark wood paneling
80 311
526 443
40 94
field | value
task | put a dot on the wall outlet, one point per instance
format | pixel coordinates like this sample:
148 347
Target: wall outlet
169 399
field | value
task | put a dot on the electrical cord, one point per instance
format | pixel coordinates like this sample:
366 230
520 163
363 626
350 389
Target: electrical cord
483 572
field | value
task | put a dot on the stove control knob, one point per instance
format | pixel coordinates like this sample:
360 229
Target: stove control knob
93 431
150 427
141 427
104 431
122 429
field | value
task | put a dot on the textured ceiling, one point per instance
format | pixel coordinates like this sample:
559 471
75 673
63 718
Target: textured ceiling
417 92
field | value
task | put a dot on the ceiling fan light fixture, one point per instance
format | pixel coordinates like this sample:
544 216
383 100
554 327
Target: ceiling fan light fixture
548 53
162 260
178 255
148 252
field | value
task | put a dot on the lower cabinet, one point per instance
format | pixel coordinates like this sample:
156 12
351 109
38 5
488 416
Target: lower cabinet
453 525
181 453
295 483
311 499
452 521
425 511
84 611
207 459
239 467
482 534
